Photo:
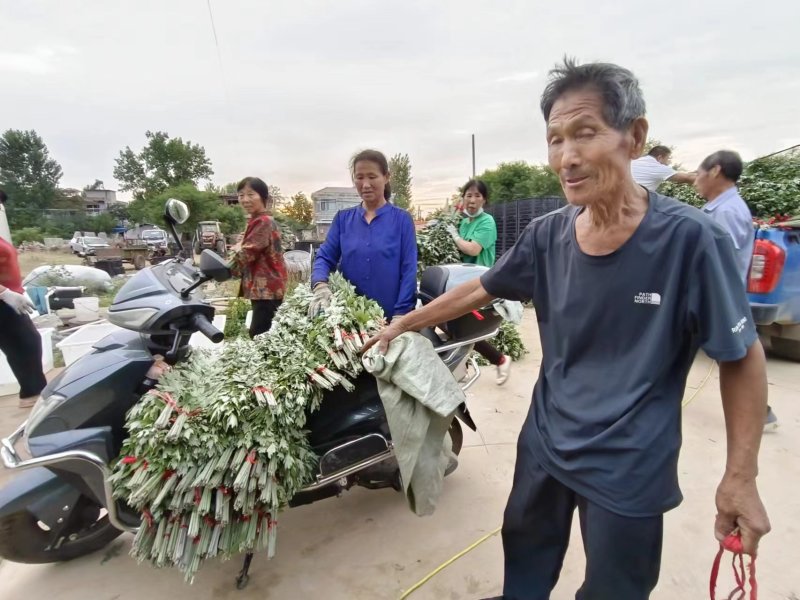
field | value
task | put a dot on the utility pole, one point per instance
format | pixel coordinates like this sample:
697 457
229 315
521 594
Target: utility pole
473 156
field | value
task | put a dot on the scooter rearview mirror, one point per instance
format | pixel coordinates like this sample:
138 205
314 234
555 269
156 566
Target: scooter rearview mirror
176 212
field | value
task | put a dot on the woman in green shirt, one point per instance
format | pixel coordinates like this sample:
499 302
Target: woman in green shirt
475 239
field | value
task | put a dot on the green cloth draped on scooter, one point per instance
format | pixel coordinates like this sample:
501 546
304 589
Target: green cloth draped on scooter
419 395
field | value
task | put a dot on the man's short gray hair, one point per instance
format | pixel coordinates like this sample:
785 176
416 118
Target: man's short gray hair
728 161
622 97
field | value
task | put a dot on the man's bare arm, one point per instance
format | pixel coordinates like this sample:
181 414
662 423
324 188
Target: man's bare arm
743 385
467 297
683 177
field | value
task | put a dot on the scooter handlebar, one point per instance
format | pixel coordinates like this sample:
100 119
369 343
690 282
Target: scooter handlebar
205 327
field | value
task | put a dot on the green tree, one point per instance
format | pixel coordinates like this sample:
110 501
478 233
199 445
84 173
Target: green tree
163 163
400 170
679 191
232 219
287 221
515 180
29 175
771 186
103 222
203 206
65 199
27 234
120 211
299 209
97 185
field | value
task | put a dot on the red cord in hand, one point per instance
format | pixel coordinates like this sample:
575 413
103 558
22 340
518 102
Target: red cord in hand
733 544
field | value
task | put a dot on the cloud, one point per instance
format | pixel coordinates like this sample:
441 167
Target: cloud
303 85
518 77
42 59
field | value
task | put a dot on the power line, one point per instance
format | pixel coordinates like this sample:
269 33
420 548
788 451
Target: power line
776 153
216 40
228 112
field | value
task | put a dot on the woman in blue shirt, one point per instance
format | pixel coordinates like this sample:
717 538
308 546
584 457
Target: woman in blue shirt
373 244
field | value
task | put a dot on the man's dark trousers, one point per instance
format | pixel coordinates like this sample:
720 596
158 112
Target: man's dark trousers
623 554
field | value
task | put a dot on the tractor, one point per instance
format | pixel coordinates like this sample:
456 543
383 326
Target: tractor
209 236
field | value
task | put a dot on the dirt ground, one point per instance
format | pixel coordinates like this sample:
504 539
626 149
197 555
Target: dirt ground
368 545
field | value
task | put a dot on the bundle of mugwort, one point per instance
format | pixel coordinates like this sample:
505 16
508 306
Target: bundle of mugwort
508 341
217 449
435 246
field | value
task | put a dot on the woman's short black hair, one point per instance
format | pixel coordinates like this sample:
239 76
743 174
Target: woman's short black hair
257 185
3 197
478 185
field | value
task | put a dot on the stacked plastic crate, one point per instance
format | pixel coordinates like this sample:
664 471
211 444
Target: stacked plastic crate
513 217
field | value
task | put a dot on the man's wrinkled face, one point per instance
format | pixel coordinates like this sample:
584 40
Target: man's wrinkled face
592 158
663 159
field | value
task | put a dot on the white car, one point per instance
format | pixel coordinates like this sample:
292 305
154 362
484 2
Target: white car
84 246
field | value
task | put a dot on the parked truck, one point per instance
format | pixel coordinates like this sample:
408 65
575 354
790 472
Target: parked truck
146 235
774 287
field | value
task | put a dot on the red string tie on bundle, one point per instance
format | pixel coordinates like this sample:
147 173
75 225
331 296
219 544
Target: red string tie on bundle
170 401
733 544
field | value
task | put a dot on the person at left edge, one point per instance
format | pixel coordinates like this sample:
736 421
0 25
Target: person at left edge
258 259
374 244
19 339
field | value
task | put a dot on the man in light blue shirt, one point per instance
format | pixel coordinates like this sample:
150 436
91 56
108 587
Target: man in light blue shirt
716 183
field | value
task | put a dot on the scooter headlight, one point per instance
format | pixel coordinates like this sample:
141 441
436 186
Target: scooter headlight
43 407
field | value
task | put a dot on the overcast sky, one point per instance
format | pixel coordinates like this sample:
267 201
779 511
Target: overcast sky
302 85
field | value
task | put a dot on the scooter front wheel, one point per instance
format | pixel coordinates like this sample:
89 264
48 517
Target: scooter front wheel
24 540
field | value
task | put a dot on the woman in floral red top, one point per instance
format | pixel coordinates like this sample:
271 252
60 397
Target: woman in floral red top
259 256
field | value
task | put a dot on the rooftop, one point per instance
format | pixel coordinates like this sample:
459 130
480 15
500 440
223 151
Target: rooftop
336 190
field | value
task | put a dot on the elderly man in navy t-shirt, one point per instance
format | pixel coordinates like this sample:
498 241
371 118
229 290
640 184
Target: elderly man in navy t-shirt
627 286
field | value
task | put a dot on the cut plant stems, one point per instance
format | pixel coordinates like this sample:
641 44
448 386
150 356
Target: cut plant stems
218 450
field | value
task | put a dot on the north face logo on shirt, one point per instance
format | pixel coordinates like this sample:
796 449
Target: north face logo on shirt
739 327
647 298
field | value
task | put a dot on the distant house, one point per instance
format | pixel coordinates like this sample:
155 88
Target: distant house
327 202
98 201
95 202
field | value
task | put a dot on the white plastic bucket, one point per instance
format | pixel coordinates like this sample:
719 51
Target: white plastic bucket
87 309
